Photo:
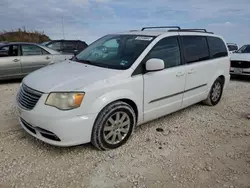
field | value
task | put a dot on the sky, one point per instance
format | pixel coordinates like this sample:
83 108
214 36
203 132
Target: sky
88 20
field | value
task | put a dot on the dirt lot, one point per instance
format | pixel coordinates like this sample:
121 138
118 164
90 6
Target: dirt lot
200 146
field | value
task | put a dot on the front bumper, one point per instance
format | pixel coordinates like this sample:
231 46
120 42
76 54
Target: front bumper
240 71
58 131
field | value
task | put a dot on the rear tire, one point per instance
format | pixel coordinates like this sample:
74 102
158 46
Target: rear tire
113 126
215 93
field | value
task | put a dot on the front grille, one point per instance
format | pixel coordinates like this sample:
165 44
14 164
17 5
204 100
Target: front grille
27 97
240 64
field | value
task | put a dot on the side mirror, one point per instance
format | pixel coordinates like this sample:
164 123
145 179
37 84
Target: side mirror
155 64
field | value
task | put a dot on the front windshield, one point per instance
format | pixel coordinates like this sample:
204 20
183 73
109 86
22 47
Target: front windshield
244 49
114 51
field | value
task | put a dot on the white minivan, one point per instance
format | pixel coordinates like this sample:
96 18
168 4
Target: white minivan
120 81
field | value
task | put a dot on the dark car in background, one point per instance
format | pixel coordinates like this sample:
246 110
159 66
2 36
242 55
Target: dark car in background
232 47
66 46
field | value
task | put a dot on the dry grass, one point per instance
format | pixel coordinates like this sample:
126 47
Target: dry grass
21 35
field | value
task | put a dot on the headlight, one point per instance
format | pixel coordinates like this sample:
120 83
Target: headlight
65 101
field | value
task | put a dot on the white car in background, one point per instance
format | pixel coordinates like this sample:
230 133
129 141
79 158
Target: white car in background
120 81
240 61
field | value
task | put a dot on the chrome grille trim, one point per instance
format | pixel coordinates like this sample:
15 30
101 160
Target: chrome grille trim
27 97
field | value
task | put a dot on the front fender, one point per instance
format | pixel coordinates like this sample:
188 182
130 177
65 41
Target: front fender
112 96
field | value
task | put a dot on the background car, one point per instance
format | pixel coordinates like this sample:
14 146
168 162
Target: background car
240 61
232 47
19 59
66 46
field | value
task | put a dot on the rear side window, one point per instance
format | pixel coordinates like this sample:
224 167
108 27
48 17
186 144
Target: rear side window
217 47
4 51
195 48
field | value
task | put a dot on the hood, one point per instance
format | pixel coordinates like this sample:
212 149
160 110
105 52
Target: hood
240 57
67 76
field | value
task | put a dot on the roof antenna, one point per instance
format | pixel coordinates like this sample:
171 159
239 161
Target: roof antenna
63 28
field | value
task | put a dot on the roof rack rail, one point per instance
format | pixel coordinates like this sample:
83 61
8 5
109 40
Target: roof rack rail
204 30
178 29
192 30
161 27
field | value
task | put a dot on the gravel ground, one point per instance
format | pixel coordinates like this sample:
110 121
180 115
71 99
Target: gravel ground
199 146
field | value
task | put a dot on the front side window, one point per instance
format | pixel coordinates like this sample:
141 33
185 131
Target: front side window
28 50
115 51
195 48
168 50
217 47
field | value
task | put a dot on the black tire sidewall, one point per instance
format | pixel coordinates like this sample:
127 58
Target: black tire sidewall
221 91
102 119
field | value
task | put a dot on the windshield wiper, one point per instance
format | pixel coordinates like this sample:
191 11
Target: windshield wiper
74 58
80 60
85 61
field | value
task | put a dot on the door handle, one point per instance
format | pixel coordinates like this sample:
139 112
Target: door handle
47 58
16 60
191 71
179 74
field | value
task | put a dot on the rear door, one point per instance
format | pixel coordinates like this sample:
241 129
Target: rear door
33 57
10 65
199 68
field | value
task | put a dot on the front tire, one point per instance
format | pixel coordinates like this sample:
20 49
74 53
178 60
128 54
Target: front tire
113 126
215 93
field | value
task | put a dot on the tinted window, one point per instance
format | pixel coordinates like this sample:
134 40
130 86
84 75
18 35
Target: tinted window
81 45
55 46
195 48
232 47
68 45
217 47
168 50
32 50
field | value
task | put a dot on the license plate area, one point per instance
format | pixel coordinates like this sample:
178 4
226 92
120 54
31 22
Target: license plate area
238 70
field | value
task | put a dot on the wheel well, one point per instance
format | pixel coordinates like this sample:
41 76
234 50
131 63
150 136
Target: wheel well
133 105
222 78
